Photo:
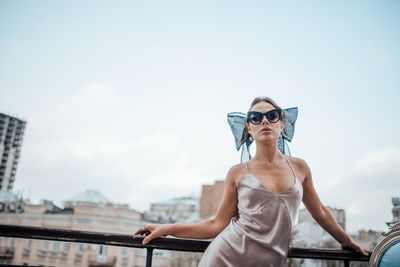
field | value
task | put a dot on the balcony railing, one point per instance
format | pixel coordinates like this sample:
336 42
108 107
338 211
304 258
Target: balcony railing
168 243
6 252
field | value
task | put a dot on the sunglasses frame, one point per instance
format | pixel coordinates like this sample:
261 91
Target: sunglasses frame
264 115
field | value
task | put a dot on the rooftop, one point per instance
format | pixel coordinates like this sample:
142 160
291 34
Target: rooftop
91 196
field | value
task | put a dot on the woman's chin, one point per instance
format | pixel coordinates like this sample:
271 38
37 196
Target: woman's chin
267 138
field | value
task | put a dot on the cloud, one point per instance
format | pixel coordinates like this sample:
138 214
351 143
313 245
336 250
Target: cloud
365 191
91 100
88 139
385 160
86 142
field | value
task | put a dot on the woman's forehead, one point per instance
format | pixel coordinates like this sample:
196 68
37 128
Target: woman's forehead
262 107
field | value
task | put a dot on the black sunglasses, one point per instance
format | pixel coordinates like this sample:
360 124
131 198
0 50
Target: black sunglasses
256 117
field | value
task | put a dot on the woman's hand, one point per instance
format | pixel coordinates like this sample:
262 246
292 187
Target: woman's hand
152 231
350 243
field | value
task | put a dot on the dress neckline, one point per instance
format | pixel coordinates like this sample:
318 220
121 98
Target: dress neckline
265 187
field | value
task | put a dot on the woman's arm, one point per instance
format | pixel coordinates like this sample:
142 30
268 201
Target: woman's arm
322 215
206 229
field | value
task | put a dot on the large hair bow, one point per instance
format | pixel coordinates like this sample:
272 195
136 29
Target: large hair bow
237 121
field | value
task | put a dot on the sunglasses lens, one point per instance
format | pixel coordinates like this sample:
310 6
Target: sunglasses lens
273 116
255 118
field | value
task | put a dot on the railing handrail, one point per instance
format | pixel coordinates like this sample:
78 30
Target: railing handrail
167 243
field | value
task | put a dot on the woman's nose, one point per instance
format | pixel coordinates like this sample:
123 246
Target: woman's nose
264 120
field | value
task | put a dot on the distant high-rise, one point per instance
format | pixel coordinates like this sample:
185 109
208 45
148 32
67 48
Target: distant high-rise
11 133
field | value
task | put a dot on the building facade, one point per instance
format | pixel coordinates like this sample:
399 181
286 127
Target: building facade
308 233
11 135
177 210
211 196
180 209
89 211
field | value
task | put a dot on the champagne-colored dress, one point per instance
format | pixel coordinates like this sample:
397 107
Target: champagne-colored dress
258 235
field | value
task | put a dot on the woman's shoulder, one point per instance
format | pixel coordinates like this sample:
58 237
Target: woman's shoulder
236 172
299 163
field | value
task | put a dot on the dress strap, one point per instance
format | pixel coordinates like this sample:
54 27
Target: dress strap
290 165
244 163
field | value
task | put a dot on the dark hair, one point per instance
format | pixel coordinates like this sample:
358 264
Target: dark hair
268 100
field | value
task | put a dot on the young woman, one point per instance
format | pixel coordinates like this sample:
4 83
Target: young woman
260 202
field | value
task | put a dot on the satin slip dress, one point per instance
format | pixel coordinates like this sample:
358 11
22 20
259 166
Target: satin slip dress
259 234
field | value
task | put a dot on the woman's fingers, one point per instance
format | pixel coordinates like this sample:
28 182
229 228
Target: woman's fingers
148 231
361 250
144 230
355 246
138 232
149 238
151 232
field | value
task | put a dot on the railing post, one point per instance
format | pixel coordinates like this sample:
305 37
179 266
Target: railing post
149 256
346 263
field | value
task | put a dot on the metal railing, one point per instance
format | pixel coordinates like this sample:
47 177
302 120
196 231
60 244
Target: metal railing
167 243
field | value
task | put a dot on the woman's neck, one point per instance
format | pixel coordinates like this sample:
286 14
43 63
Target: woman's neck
267 153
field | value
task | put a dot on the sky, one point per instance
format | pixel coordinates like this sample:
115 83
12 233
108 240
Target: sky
130 98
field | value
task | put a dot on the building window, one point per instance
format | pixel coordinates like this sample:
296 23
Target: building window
45 245
66 247
80 249
56 246
28 244
11 242
124 252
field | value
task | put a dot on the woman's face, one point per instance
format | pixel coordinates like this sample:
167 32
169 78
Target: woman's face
265 131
